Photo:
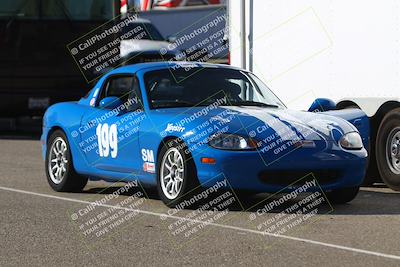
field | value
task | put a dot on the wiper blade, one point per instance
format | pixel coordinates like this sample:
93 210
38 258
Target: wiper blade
252 103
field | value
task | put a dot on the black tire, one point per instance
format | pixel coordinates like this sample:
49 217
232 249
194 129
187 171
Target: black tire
70 181
190 182
343 195
388 128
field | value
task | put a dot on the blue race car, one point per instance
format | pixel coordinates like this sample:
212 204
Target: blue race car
183 125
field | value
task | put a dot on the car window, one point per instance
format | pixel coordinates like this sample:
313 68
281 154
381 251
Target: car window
136 96
120 86
126 88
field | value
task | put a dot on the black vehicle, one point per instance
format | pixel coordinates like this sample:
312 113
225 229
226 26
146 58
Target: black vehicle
36 69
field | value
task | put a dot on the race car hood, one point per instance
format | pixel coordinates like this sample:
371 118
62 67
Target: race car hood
290 124
262 122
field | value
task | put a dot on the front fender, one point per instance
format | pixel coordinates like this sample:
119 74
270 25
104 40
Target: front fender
67 117
356 117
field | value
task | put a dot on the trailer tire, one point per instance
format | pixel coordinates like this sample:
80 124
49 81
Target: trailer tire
388 149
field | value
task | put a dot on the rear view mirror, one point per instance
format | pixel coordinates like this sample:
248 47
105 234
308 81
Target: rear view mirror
322 104
110 102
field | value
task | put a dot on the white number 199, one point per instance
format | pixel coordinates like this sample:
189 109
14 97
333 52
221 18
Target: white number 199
107 139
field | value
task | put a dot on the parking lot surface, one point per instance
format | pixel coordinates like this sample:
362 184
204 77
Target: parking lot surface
38 226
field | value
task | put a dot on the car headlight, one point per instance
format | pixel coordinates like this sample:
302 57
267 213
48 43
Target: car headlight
232 142
351 141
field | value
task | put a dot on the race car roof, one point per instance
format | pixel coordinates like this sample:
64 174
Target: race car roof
165 64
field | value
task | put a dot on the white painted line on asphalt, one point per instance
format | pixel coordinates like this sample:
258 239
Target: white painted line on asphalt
356 250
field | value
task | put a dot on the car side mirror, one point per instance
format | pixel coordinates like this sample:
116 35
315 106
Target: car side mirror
171 39
322 104
110 102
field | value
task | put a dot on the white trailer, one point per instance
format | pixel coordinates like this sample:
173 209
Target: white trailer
348 51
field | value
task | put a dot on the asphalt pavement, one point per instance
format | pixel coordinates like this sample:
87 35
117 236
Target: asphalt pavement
40 227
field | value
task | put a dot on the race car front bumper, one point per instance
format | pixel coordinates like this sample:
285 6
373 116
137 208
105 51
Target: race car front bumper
251 170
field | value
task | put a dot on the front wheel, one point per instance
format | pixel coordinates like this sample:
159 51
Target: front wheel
177 178
343 195
60 172
388 149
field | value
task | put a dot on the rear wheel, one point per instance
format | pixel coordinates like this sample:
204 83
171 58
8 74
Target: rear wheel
60 172
177 178
343 195
388 149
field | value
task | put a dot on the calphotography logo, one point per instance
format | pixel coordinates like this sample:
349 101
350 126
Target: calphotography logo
106 216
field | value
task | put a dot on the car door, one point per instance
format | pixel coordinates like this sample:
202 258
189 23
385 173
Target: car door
111 136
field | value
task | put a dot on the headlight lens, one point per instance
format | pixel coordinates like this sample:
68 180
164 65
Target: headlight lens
351 141
232 142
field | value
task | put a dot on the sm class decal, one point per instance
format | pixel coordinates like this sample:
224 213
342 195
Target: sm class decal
148 160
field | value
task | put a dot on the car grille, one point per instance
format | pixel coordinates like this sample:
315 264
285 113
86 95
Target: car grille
283 177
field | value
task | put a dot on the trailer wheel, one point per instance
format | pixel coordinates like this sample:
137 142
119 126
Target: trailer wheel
388 149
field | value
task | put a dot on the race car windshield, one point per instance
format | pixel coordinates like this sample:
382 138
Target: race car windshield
203 86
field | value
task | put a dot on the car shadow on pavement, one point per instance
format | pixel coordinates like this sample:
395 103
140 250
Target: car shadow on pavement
19 136
376 200
149 192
